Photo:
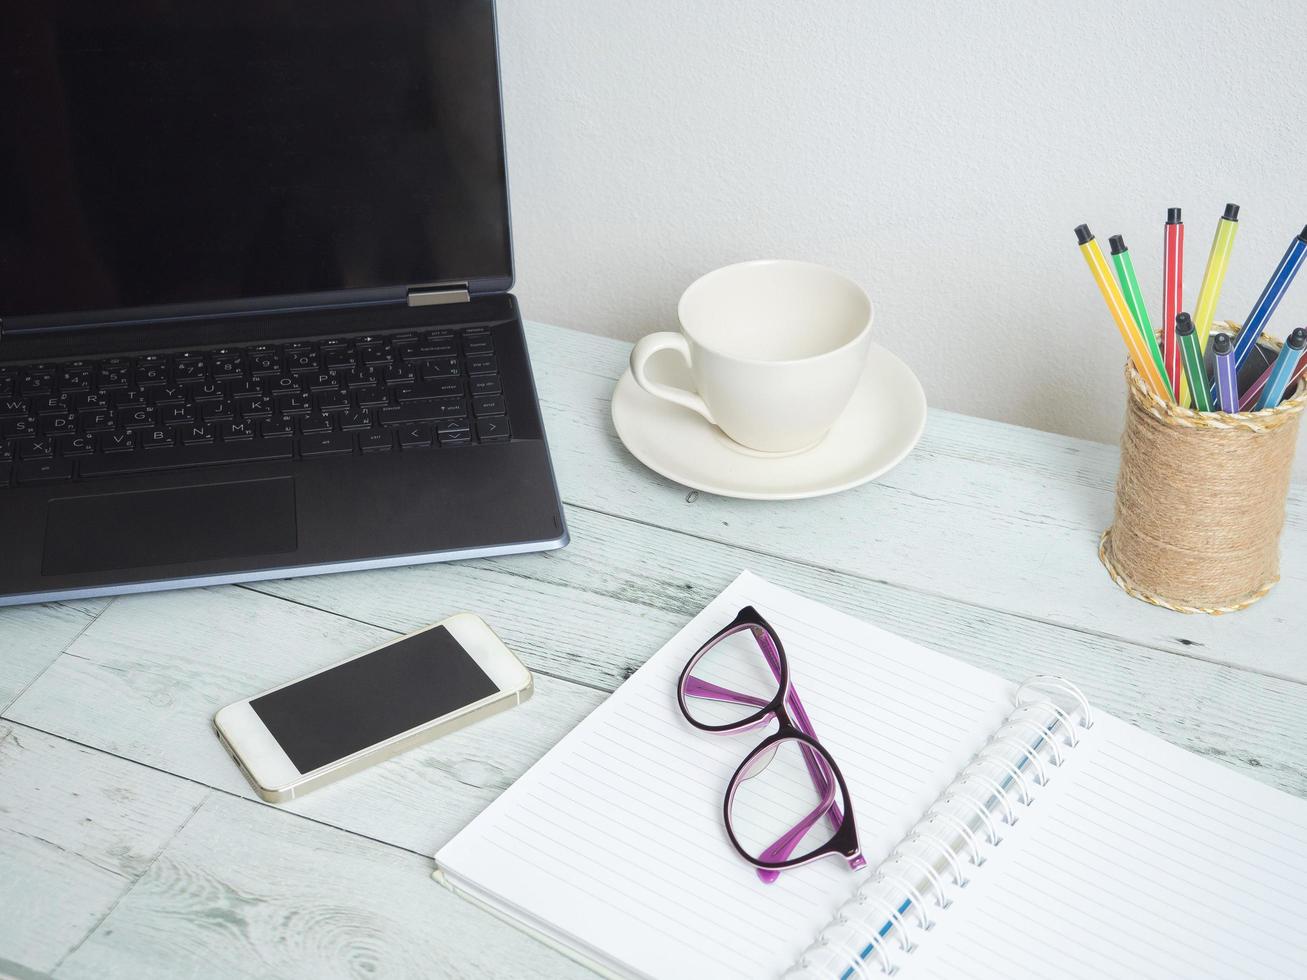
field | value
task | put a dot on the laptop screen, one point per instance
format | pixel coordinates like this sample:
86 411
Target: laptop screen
162 152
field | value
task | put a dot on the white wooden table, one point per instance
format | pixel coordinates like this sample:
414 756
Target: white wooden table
130 845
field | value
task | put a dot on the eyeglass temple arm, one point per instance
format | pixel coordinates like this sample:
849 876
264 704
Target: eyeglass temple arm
824 783
696 688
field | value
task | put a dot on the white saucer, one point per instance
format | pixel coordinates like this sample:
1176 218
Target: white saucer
883 422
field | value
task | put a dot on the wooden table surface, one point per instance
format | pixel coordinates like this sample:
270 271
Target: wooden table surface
130 844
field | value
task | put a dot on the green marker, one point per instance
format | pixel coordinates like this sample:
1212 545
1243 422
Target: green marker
1125 275
1193 361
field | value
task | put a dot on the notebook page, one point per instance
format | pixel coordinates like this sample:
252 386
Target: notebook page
615 837
1148 861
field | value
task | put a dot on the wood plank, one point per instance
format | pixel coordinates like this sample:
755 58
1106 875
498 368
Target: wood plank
77 829
990 514
598 609
32 636
245 891
158 666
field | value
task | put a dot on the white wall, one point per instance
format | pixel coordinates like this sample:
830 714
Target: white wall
940 153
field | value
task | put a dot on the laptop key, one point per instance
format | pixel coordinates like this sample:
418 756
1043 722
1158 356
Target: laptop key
256 408
218 411
333 401
315 424
336 444
444 367
484 364
376 441
485 386
415 436
357 419
97 422
432 411
19 428
57 426
488 405
451 388
136 418
13 408
454 433
34 448
493 430
118 442
185 457
75 445
45 471
199 434
278 428
377 397
237 431
153 439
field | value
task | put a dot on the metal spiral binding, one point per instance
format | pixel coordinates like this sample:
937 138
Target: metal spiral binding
870 932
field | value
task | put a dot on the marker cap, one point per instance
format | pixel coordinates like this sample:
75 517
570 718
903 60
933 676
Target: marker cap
1173 216
1184 323
1302 235
1231 212
1117 243
1083 234
1221 343
1298 339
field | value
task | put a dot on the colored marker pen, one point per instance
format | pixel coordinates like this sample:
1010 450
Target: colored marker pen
1227 379
1282 370
1173 303
1116 305
1125 275
1270 298
1187 336
1218 260
1249 398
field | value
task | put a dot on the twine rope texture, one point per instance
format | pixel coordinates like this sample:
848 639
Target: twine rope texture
1180 538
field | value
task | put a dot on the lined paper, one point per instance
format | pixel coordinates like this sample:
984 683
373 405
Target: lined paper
614 841
1150 862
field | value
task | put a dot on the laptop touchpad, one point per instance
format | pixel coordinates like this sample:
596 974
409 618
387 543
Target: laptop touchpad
98 533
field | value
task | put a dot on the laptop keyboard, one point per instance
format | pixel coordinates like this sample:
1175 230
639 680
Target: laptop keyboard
82 420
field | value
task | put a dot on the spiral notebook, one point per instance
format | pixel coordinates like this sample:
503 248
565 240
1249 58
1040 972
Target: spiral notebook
1108 853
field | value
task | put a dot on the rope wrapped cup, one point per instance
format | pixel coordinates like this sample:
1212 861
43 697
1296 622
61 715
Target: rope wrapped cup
1179 539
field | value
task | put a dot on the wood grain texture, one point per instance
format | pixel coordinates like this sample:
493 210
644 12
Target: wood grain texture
32 636
248 891
981 545
994 515
77 829
158 666
621 590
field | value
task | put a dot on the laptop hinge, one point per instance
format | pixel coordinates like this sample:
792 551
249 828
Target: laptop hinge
438 295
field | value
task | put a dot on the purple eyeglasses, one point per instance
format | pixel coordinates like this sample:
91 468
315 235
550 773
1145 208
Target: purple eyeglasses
788 795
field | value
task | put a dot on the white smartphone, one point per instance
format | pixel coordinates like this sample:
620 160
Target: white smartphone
328 724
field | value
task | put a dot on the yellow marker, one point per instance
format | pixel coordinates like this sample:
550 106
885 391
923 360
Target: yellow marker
1217 262
1116 305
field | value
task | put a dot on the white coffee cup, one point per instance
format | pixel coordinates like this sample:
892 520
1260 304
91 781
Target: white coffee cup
775 349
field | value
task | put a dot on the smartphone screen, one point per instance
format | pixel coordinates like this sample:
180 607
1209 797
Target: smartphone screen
372 698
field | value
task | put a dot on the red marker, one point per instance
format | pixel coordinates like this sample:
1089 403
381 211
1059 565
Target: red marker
1173 303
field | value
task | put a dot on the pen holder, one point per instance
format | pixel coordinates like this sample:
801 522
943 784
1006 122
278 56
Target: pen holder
1200 500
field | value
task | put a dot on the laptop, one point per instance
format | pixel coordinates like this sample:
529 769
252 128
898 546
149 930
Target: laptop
255 317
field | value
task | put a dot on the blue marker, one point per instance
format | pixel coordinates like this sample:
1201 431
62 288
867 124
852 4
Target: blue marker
1268 301
1227 380
1282 370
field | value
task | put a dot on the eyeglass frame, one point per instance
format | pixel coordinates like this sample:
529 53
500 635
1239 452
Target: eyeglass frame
793 724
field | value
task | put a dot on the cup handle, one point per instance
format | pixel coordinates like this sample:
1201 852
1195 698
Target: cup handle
644 349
